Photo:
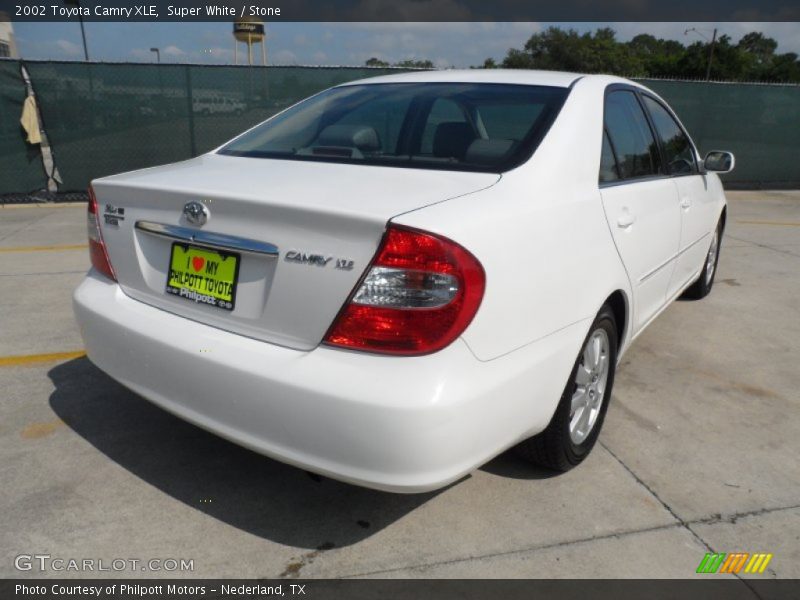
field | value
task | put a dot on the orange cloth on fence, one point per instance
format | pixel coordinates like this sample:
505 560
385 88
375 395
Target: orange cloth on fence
30 120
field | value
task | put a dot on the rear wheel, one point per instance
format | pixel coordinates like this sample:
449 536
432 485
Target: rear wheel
574 428
702 287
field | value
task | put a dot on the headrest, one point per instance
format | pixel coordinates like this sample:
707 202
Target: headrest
451 139
362 137
487 152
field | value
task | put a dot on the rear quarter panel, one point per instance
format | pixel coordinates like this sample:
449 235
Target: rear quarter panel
540 233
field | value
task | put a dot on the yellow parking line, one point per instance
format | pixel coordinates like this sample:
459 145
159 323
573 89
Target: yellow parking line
44 248
785 223
28 359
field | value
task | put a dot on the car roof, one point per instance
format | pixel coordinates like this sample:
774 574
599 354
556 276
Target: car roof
513 76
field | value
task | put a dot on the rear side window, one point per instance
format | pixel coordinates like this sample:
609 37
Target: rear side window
678 150
631 137
608 162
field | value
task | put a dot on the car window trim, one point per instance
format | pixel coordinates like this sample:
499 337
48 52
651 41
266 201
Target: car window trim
632 180
607 136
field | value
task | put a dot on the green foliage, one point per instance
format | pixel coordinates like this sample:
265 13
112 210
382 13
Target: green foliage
376 62
407 64
415 64
753 58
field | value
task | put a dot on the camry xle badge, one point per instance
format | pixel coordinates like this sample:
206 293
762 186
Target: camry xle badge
320 260
307 258
196 213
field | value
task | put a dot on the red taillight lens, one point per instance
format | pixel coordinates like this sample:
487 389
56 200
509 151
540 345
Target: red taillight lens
419 295
97 248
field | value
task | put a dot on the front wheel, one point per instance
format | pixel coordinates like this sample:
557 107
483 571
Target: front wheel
575 425
702 287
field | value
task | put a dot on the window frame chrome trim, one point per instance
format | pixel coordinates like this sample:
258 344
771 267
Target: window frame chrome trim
211 239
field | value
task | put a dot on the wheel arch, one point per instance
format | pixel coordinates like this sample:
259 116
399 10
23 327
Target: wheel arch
618 301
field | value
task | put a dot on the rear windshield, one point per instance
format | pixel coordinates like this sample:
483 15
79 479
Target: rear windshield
457 126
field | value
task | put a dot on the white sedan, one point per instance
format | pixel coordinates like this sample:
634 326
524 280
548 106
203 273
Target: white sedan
397 279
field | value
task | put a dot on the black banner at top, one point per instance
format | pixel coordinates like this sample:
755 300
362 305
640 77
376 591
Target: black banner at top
400 10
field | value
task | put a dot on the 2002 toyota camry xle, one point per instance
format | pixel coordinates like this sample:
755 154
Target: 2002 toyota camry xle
397 279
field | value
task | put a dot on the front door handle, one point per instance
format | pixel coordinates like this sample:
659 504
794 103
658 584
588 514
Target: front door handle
685 202
625 220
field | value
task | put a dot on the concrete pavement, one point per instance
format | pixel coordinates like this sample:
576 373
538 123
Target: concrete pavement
698 453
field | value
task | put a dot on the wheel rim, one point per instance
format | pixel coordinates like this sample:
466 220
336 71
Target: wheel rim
711 259
591 379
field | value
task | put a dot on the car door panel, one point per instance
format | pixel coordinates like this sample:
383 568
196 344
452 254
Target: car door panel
697 206
698 218
645 222
640 201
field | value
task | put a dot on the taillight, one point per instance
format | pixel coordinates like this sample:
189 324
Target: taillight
97 248
419 294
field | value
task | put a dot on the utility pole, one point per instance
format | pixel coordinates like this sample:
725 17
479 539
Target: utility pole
77 3
711 55
711 49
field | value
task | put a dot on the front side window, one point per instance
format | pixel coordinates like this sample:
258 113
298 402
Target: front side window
458 126
631 137
678 150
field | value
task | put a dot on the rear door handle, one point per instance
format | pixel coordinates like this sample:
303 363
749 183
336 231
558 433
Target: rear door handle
626 220
685 202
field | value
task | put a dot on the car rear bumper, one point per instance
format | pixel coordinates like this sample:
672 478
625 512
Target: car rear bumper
393 423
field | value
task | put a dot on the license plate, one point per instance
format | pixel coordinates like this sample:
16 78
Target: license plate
203 275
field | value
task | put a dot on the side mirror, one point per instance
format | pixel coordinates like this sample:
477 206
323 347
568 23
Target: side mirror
719 161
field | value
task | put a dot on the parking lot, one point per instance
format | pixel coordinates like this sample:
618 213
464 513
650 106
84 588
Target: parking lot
699 452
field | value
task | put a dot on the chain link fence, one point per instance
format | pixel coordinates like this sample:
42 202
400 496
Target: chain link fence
107 118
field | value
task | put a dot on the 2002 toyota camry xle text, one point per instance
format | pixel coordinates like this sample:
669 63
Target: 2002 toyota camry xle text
397 279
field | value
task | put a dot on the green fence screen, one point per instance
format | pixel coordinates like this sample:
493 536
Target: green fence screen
108 118
760 124
20 163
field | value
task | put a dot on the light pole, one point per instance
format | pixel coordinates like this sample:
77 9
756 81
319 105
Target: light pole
158 54
711 50
77 3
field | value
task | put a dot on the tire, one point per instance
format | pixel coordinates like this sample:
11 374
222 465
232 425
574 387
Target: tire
562 445
702 287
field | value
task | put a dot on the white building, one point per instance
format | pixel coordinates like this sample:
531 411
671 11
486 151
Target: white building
8 48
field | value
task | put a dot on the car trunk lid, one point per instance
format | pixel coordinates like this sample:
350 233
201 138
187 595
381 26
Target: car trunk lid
324 222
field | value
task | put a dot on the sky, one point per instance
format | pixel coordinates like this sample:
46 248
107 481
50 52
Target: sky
446 44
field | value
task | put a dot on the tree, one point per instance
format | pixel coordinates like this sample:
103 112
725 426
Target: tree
760 48
376 62
415 64
754 57
567 50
